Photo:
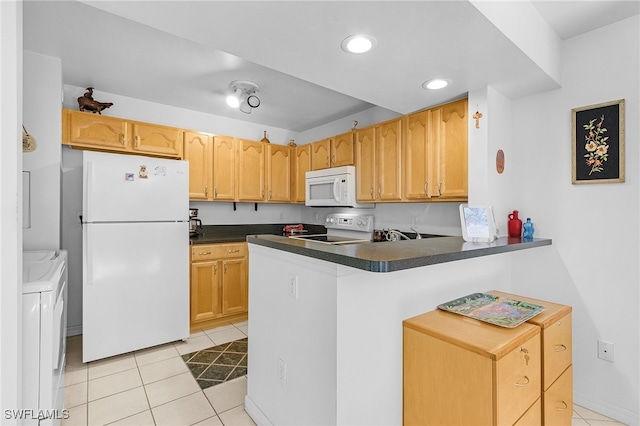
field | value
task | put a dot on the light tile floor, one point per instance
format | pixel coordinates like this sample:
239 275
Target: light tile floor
154 387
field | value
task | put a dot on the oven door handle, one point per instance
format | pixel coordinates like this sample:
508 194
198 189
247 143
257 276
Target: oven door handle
336 189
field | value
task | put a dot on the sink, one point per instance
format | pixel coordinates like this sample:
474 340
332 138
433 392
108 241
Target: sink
413 235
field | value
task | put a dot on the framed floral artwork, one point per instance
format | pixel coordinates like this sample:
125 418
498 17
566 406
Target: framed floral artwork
598 143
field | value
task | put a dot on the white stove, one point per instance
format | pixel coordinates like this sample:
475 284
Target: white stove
343 228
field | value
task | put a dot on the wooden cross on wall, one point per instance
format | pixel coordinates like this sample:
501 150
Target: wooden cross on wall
477 116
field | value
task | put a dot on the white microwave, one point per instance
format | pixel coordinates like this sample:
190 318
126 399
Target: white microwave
334 187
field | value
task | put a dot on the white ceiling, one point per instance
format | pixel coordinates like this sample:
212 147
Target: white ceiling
185 53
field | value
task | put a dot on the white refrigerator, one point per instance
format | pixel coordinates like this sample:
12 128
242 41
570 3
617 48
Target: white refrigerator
135 253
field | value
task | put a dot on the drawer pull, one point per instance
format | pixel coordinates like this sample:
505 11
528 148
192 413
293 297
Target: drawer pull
561 348
204 254
233 251
523 382
564 406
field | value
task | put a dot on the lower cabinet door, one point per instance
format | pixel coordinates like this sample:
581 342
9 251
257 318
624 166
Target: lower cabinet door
205 290
558 400
234 286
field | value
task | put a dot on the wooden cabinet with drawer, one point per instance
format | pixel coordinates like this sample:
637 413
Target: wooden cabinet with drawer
219 284
557 371
462 371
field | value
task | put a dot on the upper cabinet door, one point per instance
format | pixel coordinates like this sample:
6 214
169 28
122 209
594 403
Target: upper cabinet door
389 161
198 151
278 173
301 165
83 129
224 168
342 150
453 150
365 146
416 155
321 154
158 140
251 163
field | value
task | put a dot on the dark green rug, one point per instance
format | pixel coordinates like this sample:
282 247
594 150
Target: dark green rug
218 364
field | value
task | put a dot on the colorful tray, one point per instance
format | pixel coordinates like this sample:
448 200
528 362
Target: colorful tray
495 310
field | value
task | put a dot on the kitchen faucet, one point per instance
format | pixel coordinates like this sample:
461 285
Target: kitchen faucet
418 236
395 235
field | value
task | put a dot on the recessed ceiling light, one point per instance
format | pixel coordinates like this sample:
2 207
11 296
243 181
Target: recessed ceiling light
359 43
436 83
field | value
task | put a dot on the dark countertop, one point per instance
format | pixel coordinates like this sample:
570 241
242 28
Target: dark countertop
211 234
396 255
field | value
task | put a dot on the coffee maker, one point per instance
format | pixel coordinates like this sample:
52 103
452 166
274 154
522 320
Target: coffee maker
194 223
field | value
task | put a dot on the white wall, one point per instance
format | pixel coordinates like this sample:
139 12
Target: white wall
10 207
595 228
42 119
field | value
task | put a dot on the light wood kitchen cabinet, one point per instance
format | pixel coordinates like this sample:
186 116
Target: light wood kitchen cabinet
335 151
278 173
219 284
321 154
251 170
198 151
342 150
461 371
224 168
157 140
452 149
435 153
93 131
301 164
379 162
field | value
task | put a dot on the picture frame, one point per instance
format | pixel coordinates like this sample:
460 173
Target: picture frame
478 223
597 148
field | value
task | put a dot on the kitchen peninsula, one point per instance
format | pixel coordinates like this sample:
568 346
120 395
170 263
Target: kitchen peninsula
325 322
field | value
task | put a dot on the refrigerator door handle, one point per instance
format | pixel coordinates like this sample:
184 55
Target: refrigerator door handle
88 253
88 192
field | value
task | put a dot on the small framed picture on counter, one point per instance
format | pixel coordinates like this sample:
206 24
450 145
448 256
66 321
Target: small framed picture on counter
598 143
478 223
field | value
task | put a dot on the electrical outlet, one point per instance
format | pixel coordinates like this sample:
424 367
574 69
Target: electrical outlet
605 350
281 216
293 286
282 372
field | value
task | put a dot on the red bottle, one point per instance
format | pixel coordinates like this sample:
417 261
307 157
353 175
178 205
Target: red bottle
514 225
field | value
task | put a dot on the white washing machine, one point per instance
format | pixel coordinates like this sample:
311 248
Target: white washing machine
44 334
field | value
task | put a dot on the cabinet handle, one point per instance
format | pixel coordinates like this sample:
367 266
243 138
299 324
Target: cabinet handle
523 382
225 267
137 141
262 194
561 348
204 254
440 189
206 191
269 194
122 139
564 406
215 268
372 196
379 192
215 192
233 251
426 188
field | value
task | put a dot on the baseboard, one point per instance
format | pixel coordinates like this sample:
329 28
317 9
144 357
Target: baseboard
617 413
255 413
74 330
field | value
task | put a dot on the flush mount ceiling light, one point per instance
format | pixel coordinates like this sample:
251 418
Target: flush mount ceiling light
436 83
242 95
359 43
